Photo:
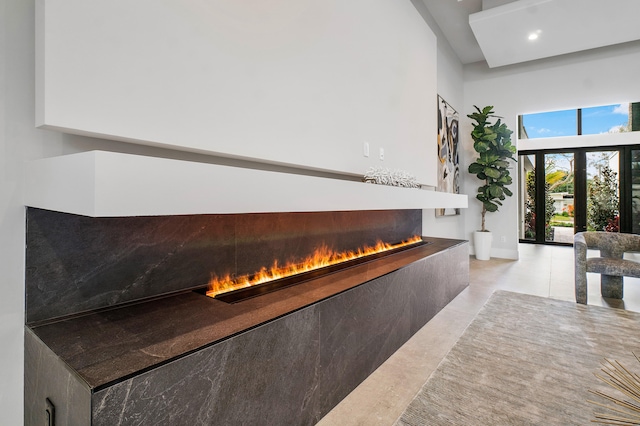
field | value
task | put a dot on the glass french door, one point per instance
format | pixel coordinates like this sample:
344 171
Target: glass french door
634 183
603 191
527 196
567 191
559 197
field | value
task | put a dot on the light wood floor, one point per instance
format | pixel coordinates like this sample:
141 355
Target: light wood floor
545 271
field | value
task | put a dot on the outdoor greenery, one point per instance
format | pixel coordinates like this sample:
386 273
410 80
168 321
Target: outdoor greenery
561 220
602 201
492 141
530 215
530 207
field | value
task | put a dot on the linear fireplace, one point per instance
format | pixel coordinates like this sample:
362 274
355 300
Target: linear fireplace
323 261
119 332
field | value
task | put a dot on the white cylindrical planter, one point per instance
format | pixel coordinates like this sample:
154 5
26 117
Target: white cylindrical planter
482 245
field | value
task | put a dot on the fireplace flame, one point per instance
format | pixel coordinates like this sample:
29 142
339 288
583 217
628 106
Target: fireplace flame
321 257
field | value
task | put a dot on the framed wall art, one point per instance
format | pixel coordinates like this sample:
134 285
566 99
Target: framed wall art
448 162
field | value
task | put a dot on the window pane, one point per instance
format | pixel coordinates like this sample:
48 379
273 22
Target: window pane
635 191
602 191
527 164
549 124
634 116
605 119
559 207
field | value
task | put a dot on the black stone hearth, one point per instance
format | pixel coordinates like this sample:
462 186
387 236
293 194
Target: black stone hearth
285 357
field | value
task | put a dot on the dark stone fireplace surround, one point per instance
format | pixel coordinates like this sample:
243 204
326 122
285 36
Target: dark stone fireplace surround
115 335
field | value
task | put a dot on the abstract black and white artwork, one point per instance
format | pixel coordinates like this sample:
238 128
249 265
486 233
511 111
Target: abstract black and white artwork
448 164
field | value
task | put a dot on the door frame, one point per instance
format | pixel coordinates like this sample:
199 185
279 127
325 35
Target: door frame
580 187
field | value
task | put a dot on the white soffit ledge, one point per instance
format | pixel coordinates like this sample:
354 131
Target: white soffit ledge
108 184
561 26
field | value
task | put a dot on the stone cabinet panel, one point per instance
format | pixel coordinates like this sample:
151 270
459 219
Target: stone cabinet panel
259 377
49 380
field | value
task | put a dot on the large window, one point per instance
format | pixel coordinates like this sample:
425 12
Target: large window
605 119
549 124
574 190
528 213
603 206
548 207
614 118
634 182
559 179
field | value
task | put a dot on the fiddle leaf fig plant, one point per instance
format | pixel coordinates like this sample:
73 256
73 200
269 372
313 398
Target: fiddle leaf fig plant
492 142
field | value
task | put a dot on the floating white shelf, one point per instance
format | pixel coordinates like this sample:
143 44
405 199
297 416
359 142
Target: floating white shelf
108 184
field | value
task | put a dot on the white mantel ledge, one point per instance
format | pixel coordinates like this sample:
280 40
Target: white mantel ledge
110 184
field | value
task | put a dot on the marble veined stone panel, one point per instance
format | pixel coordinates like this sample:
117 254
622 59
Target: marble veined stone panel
264 377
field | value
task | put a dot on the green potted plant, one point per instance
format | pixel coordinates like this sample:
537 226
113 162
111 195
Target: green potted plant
492 142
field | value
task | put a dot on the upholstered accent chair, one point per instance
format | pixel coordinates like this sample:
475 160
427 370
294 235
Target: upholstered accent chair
610 264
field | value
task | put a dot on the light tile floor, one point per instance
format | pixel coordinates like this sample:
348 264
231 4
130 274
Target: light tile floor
545 271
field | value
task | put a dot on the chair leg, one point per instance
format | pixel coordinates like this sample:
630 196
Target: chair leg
611 286
581 286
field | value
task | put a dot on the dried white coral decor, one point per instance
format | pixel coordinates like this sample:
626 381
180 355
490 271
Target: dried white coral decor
384 176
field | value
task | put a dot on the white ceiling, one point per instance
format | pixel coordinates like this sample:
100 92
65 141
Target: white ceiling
499 29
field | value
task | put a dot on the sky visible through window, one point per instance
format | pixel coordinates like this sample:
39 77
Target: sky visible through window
596 120
605 119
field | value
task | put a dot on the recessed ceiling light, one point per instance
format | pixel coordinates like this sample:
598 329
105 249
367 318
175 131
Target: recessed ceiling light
534 35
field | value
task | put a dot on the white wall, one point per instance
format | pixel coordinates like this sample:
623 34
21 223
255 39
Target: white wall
295 82
21 141
597 77
450 87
